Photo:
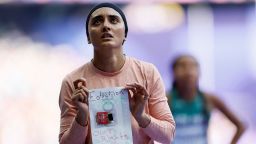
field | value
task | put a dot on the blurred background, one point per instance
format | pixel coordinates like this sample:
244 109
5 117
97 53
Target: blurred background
43 40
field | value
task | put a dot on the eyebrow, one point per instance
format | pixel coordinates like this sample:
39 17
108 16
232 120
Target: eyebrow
114 16
100 16
96 17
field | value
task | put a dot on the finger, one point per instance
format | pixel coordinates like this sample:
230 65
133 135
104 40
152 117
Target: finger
142 89
131 101
78 97
80 91
129 95
141 92
79 82
76 91
131 89
75 97
131 84
85 90
136 89
85 94
136 85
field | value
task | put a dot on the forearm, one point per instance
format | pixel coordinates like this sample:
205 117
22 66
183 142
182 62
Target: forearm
160 130
76 134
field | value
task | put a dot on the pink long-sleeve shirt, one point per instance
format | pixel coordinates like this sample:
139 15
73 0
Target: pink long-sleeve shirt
160 129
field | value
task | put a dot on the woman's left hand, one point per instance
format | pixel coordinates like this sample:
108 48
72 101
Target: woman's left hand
138 96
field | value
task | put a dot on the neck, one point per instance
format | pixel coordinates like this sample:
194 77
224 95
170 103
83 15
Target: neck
109 61
187 93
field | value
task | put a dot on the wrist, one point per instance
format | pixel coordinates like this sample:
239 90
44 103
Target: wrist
143 120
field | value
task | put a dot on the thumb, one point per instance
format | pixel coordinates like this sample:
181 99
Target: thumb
79 83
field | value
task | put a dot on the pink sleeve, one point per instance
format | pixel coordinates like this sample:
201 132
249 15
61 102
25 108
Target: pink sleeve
162 125
70 131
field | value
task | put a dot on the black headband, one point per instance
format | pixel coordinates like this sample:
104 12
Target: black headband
110 5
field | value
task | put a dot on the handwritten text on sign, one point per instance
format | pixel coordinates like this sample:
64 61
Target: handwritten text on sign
110 135
108 95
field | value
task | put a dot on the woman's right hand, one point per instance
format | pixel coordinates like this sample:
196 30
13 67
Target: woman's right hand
80 99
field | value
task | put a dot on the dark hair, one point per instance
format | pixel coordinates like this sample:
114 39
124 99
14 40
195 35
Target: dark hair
175 63
110 5
178 58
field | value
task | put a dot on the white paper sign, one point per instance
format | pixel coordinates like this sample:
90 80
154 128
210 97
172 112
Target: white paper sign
110 116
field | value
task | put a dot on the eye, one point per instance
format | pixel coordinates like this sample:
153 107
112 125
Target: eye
96 22
114 20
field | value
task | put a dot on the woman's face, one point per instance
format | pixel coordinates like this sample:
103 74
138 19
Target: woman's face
106 28
186 71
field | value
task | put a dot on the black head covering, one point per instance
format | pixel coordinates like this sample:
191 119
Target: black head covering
110 5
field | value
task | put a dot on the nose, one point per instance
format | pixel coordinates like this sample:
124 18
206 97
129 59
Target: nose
106 26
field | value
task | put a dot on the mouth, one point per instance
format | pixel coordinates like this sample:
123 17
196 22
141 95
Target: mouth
106 36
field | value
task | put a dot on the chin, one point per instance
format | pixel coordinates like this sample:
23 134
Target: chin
110 45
